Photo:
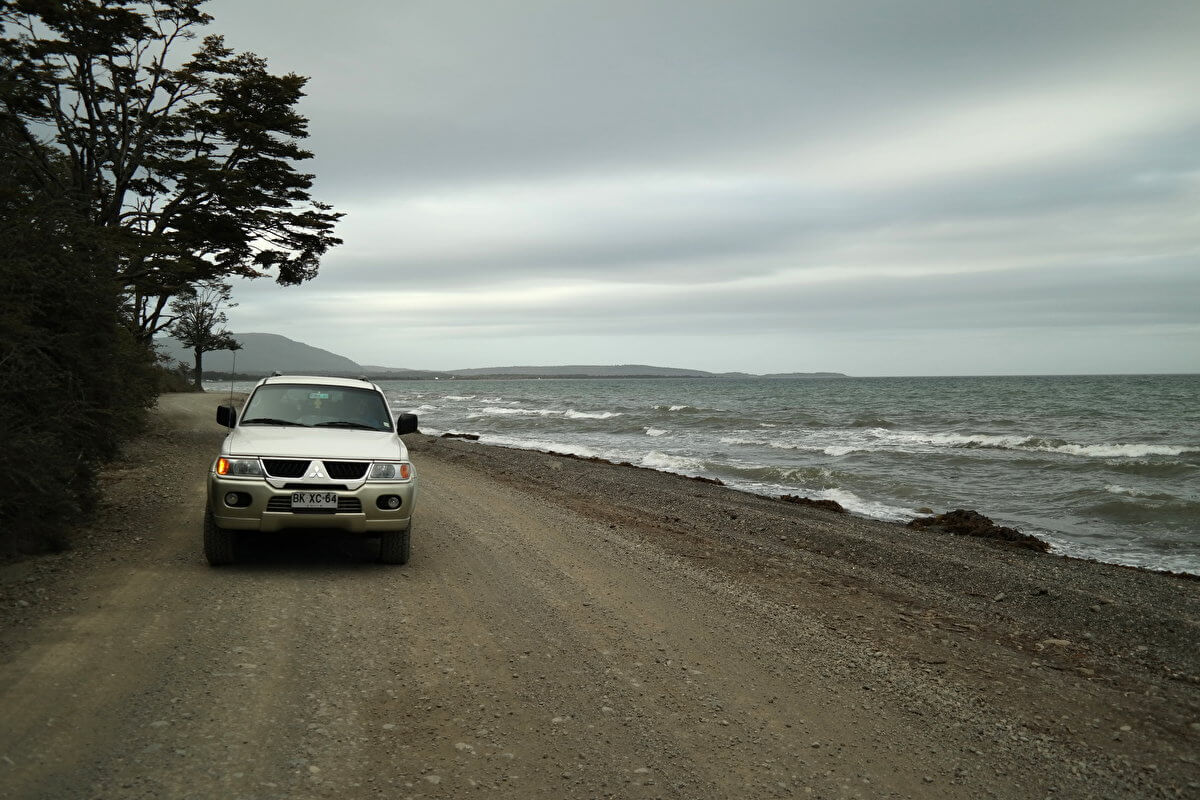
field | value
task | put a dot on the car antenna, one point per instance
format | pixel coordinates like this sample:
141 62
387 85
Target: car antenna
232 376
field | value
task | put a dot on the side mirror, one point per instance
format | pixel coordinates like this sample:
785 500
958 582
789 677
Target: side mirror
406 423
226 416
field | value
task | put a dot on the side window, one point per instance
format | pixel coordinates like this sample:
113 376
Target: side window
385 421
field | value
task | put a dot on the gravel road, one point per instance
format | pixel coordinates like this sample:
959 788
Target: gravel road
568 629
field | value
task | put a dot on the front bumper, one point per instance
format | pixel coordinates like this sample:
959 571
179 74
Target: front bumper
268 509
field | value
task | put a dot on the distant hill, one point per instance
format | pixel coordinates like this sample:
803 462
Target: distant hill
400 373
591 371
263 353
623 371
803 375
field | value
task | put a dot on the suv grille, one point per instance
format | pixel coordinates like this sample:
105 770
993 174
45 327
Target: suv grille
346 470
284 467
282 503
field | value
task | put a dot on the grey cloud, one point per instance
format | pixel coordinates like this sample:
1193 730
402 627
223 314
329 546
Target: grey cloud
1102 297
460 91
444 100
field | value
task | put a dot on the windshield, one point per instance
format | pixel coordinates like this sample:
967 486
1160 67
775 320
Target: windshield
317 406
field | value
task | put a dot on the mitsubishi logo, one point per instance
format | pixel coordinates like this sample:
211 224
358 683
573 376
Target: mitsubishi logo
316 473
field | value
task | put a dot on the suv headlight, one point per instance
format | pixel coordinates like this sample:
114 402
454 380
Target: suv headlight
390 471
239 467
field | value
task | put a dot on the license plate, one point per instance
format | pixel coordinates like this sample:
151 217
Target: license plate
314 499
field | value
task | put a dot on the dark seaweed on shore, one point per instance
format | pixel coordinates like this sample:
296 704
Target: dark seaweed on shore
828 505
963 522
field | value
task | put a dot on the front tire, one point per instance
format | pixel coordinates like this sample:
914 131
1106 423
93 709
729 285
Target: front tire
218 542
395 546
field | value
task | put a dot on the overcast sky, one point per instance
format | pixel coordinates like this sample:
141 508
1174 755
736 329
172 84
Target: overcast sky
876 188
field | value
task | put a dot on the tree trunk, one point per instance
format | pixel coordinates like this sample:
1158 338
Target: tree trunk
199 367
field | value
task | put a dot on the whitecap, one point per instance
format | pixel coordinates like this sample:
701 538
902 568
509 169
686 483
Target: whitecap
782 445
742 441
666 462
655 431
573 414
459 397
867 508
900 439
947 439
542 445
1126 491
1117 450
496 411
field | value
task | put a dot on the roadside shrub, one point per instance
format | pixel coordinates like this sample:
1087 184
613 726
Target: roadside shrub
74 382
172 380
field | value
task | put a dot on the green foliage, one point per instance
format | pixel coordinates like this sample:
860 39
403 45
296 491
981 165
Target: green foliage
200 322
188 169
176 379
74 382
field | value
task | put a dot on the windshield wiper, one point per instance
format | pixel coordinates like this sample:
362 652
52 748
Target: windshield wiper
345 424
272 421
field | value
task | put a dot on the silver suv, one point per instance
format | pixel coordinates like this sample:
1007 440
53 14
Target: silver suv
312 452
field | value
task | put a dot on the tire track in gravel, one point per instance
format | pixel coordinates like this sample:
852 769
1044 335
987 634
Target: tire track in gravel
606 645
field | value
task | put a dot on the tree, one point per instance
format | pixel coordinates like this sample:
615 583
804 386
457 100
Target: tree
200 322
73 381
185 166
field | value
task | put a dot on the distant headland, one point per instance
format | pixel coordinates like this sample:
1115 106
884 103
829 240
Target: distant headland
264 353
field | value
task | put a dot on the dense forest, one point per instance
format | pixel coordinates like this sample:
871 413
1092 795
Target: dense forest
137 162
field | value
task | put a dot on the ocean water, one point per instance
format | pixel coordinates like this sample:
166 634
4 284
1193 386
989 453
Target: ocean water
1103 467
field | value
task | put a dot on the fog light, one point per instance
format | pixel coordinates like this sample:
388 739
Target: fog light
389 502
231 499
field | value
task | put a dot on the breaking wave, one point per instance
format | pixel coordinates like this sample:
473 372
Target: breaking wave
543 445
666 462
1113 488
571 413
498 411
878 438
1119 450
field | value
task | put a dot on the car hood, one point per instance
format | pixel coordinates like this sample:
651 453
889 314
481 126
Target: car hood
293 442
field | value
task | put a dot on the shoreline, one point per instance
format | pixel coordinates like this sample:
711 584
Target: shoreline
1052 549
664 501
